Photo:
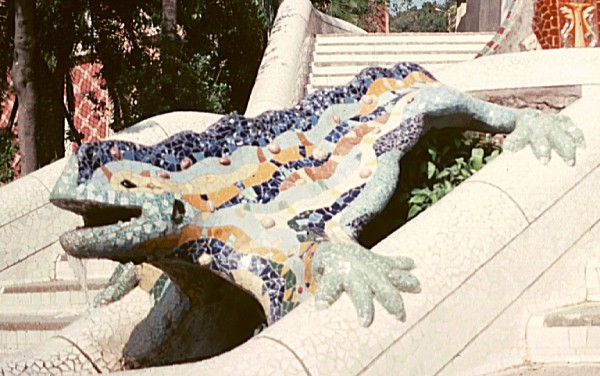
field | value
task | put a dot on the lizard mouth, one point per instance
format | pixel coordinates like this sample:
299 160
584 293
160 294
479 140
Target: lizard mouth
104 216
104 227
121 233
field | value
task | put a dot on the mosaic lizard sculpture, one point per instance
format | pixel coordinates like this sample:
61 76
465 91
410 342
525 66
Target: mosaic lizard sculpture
274 203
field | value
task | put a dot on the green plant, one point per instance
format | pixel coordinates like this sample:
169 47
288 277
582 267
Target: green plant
448 167
441 160
8 149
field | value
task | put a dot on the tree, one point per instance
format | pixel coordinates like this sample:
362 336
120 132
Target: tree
23 73
205 58
429 18
358 12
169 19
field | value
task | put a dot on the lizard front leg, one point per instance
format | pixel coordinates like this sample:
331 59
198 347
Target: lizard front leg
124 279
363 275
447 107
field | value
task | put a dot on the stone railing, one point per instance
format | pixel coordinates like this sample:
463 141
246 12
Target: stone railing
284 70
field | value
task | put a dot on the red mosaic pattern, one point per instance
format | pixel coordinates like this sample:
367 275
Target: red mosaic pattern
491 46
92 115
380 18
8 100
578 18
92 112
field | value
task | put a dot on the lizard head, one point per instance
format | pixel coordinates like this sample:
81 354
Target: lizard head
128 208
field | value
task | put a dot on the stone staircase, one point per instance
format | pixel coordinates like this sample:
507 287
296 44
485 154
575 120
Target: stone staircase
32 311
336 58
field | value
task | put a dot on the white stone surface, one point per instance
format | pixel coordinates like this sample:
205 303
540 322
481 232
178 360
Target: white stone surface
94 343
175 122
592 279
147 131
522 70
478 39
332 65
385 46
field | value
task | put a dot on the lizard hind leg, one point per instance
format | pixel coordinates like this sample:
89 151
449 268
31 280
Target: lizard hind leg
363 275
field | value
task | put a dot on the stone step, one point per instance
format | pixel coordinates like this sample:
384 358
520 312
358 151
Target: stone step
51 296
370 59
383 48
95 268
336 59
569 334
352 70
317 80
20 332
407 38
31 312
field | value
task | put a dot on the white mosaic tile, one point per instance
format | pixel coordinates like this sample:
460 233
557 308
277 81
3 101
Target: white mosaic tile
524 70
563 283
535 187
174 122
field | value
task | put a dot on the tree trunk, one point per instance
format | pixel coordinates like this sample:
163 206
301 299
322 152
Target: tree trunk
169 19
24 81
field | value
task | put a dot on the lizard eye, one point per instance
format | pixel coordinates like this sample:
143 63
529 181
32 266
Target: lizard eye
128 184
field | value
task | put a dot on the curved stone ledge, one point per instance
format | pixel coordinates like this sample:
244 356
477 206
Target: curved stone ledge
286 59
559 67
94 343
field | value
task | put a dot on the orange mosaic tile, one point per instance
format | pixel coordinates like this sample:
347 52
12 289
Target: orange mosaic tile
566 24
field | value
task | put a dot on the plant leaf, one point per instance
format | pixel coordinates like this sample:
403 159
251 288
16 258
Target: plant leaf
430 170
476 160
413 211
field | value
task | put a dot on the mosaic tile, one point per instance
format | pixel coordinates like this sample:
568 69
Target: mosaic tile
560 23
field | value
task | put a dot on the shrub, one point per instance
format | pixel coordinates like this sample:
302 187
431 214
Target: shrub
8 150
439 162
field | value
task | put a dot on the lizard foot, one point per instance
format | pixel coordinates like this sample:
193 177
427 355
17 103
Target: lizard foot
123 280
362 274
545 132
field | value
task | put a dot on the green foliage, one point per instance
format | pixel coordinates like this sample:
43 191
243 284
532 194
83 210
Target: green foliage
441 160
267 10
429 18
232 35
357 12
7 27
8 149
447 166
210 67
